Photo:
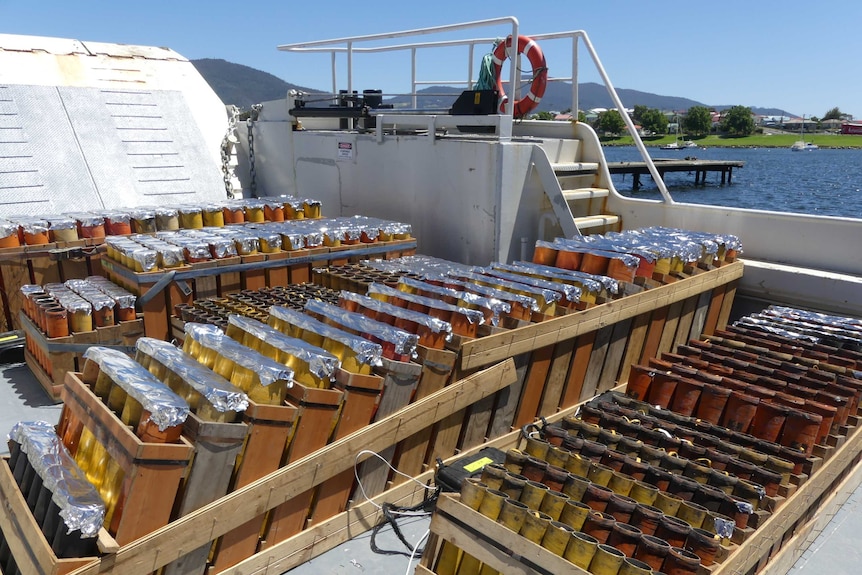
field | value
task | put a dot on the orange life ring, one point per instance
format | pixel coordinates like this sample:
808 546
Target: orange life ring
528 47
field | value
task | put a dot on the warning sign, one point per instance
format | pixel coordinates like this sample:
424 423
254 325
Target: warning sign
345 151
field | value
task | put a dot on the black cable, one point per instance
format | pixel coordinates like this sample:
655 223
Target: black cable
390 512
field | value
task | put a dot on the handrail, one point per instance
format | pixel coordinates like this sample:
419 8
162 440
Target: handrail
347 45
349 41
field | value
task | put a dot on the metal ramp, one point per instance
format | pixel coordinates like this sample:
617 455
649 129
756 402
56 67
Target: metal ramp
87 126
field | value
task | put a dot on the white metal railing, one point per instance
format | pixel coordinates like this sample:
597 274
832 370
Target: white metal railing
348 46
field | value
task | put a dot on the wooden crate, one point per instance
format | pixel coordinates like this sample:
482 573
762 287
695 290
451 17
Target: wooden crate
319 410
152 470
27 544
64 354
246 503
270 428
217 446
494 545
361 398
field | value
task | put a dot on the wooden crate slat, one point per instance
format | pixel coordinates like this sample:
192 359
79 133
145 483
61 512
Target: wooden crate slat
634 345
540 364
216 448
437 365
715 305
616 347
400 381
557 375
269 430
361 396
506 400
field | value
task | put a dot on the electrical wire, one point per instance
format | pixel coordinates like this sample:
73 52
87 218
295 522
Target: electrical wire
413 553
391 512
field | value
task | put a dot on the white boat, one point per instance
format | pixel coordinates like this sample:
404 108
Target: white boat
803 146
477 187
689 144
672 146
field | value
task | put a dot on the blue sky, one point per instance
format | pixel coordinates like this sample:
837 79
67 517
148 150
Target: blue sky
800 56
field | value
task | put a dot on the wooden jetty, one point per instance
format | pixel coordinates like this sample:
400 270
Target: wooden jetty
699 167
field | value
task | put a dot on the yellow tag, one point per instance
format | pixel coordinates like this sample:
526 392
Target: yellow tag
8 337
477 98
478 464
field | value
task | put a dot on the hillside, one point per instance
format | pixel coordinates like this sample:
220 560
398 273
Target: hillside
243 86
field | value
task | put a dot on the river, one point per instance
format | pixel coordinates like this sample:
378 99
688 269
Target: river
823 182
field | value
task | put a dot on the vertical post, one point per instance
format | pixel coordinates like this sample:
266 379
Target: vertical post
334 80
575 78
413 77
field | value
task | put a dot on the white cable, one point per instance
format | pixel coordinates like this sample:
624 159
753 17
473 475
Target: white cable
413 552
381 458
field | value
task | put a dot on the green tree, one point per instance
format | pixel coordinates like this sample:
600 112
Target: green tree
833 114
638 113
653 120
544 116
611 122
582 117
697 121
738 121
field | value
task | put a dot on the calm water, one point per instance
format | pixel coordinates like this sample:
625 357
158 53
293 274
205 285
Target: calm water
823 182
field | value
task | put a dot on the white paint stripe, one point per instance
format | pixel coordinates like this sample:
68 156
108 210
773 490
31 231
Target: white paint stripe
529 46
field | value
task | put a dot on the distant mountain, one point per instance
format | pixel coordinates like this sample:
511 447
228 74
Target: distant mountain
243 86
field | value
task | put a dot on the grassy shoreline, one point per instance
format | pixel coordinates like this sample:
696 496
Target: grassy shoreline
840 141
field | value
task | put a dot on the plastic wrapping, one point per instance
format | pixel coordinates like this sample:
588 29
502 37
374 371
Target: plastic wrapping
222 394
321 363
268 370
571 292
404 342
435 325
80 505
473 316
367 352
167 409
590 282
495 306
